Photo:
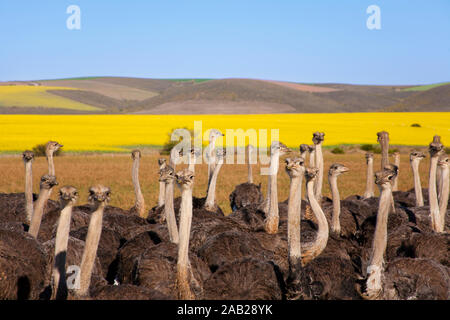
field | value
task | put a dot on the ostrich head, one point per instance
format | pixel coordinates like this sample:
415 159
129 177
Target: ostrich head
318 137
67 194
27 156
295 167
214 134
280 147
311 173
436 147
52 146
162 162
311 148
382 136
136 154
384 178
443 161
392 168
99 194
337 169
416 156
167 174
303 148
185 179
48 182
369 157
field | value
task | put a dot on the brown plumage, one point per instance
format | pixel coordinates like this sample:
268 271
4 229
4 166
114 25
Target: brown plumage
22 266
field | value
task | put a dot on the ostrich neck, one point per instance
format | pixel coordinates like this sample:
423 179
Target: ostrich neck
432 194
59 268
162 188
90 249
29 190
369 181
212 159
395 183
294 217
374 270
384 153
191 166
272 219
211 197
139 203
170 213
312 159
417 184
184 290
439 182
303 155
319 165
313 249
443 200
44 194
250 174
51 165
335 223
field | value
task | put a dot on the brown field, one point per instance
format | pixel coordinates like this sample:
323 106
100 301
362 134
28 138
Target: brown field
115 172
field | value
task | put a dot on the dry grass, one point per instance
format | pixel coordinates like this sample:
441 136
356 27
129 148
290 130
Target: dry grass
115 172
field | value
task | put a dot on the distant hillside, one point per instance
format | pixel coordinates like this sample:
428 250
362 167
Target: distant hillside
222 96
434 99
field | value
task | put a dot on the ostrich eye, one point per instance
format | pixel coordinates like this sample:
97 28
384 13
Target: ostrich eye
75 193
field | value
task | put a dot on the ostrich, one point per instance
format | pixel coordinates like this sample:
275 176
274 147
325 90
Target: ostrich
68 196
435 149
22 265
336 169
312 155
383 140
162 186
50 148
46 185
304 149
168 176
369 181
295 169
210 151
311 250
318 138
443 164
271 207
403 278
246 194
414 158
396 156
169 267
28 157
210 203
185 181
100 195
139 205
374 270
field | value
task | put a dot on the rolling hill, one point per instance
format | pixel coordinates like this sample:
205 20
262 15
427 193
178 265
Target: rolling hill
110 95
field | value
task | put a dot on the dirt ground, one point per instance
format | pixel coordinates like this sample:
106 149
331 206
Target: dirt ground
83 171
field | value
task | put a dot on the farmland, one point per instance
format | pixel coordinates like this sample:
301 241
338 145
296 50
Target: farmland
120 133
37 96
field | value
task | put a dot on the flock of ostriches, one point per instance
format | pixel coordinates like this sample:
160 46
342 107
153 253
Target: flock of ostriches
395 246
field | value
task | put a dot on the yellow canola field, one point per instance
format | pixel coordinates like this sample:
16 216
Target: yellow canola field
37 96
121 132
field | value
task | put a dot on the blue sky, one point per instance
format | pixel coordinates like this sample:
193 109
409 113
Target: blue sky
293 40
